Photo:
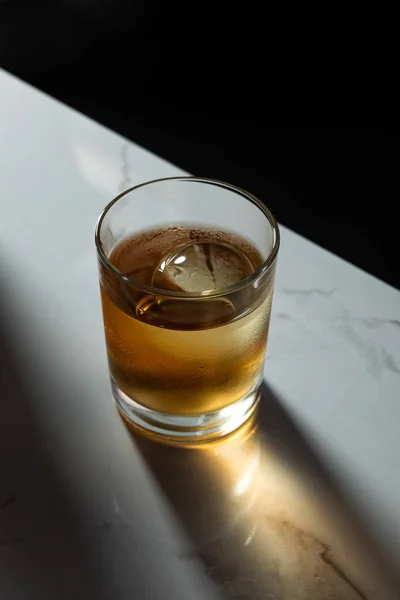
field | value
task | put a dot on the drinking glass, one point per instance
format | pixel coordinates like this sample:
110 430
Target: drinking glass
186 270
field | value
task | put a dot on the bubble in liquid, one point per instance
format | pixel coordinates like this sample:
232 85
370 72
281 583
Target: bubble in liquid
201 267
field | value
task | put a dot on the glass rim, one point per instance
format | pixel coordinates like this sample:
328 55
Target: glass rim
148 289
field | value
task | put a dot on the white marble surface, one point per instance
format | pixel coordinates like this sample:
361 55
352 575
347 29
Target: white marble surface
83 514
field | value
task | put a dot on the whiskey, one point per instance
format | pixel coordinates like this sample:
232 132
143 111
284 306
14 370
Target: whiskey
175 344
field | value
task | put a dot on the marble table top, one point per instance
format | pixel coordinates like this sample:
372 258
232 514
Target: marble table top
304 505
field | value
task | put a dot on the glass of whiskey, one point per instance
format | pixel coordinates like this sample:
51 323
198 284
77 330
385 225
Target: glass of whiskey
186 269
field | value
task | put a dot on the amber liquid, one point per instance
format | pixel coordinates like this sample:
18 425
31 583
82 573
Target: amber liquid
178 356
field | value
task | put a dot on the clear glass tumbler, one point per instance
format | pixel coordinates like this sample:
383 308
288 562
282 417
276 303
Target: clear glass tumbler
187 270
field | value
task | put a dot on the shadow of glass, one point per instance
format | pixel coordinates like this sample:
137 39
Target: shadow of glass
264 516
41 550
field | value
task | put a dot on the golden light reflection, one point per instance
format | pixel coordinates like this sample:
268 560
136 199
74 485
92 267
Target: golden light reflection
264 520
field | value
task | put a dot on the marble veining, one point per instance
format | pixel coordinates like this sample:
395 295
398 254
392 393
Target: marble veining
310 292
374 322
376 357
293 512
369 351
126 181
389 362
283 316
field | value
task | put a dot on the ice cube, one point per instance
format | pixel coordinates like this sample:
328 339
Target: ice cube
202 266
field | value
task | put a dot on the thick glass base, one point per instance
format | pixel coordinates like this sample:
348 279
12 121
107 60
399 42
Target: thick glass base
187 428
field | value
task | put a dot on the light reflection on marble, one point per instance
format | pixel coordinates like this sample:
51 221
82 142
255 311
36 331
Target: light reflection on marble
264 517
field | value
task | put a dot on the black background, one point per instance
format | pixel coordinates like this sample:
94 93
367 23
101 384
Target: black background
200 89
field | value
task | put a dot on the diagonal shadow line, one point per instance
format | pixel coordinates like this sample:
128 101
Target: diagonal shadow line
228 526
41 548
280 431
